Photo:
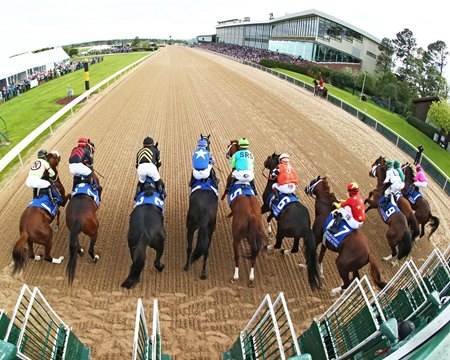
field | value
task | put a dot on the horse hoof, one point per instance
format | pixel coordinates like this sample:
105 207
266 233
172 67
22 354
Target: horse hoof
96 258
286 252
269 247
186 268
387 258
394 263
302 266
251 284
58 260
160 268
129 284
336 291
37 257
203 277
81 252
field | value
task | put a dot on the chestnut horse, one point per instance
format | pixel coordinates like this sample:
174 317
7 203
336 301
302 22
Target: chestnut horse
421 207
354 252
246 213
398 233
379 171
35 225
294 222
81 217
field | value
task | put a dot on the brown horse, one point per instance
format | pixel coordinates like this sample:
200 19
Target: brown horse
81 217
354 252
35 225
246 213
398 233
293 222
421 207
379 171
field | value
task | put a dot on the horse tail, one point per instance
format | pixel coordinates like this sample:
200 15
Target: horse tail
19 253
73 248
254 237
405 245
311 260
435 224
202 245
414 224
375 272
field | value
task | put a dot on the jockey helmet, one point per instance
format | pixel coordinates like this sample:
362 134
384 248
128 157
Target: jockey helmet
42 154
148 141
396 164
83 141
389 163
419 167
284 158
243 143
353 186
202 143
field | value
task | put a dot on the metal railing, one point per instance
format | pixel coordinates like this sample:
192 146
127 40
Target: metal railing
436 272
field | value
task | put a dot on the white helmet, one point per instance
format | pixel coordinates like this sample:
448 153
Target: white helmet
284 158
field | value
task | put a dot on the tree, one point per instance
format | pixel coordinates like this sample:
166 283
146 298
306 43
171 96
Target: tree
135 42
405 47
439 114
438 53
390 91
385 60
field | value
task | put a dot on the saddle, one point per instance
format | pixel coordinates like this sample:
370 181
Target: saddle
85 179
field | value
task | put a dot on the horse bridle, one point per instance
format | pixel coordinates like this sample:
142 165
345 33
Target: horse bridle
310 188
229 149
374 170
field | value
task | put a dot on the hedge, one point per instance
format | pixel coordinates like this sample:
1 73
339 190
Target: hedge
422 126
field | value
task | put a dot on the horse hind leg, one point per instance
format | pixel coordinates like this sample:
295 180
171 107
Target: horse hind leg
138 254
92 253
344 276
159 253
236 261
190 238
203 275
47 254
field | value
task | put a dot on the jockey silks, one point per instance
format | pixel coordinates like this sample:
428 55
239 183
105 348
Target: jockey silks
81 155
148 155
201 158
286 174
242 160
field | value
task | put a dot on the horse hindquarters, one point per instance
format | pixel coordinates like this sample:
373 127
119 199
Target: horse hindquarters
138 249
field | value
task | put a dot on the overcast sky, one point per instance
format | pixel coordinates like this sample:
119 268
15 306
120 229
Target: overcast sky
32 24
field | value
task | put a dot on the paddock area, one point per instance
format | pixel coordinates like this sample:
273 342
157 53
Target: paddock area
173 97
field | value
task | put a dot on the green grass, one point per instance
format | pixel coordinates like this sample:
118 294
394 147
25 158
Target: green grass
25 113
393 121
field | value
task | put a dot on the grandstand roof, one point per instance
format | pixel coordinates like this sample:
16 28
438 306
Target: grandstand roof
10 66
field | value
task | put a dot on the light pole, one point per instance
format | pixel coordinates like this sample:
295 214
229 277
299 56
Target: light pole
364 83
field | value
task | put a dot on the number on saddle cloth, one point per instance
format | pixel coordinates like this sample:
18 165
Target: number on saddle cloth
239 189
278 205
414 197
336 239
87 189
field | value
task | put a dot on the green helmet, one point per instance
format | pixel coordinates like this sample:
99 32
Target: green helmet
396 164
389 163
243 143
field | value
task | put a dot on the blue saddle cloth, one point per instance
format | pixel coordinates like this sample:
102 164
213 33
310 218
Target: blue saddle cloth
277 206
206 184
153 199
86 189
44 202
387 212
239 189
336 239
414 197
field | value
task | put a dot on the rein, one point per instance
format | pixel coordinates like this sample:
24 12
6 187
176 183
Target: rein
267 177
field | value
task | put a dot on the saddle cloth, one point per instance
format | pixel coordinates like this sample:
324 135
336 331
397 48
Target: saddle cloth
145 198
86 189
277 206
44 202
336 239
240 188
206 184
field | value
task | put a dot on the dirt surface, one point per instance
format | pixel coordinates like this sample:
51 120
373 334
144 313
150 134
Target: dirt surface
173 97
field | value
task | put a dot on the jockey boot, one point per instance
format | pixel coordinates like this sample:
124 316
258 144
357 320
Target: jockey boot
138 190
229 185
337 222
192 181
161 188
276 195
214 178
92 182
53 199
252 183
35 192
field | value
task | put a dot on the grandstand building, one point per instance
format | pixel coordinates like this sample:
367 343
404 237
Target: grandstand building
311 35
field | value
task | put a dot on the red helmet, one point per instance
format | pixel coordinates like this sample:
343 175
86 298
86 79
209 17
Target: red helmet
353 187
83 141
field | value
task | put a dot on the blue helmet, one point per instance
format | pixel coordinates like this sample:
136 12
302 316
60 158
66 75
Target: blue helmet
202 143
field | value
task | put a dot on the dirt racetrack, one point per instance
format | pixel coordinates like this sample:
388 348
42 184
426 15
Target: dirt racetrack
173 97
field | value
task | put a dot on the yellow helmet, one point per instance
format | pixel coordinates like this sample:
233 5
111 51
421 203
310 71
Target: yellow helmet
352 186
243 142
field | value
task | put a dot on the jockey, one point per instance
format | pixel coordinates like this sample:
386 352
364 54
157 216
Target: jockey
352 210
242 163
420 181
400 171
393 177
285 176
81 160
147 163
202 162
38 177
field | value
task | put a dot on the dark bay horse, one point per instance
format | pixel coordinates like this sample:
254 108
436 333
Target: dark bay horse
421 207
246 213
81 217
35 225
294 222
398 233
201 216
146 229
354 252
379 171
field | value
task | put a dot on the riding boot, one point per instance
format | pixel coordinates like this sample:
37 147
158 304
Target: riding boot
160 188
276 195
51 197
56 195
91 181
252 183
229 185
337 222
214 178
35 192
138 190
192 181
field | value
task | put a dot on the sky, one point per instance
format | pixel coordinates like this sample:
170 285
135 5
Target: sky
33 24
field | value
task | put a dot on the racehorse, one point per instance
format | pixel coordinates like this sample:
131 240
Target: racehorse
35 226
246 213
421 205
81 217
353 252
293 222
379 171
398 233
201 216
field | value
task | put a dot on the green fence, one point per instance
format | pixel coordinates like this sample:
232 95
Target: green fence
436 273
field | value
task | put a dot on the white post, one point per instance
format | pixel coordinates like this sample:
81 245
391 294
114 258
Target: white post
364 83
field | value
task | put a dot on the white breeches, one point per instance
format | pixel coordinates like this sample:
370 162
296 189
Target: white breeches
394 188
202 174
244 175
285 188
36 182
148 169
348 216
79 169
421 184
